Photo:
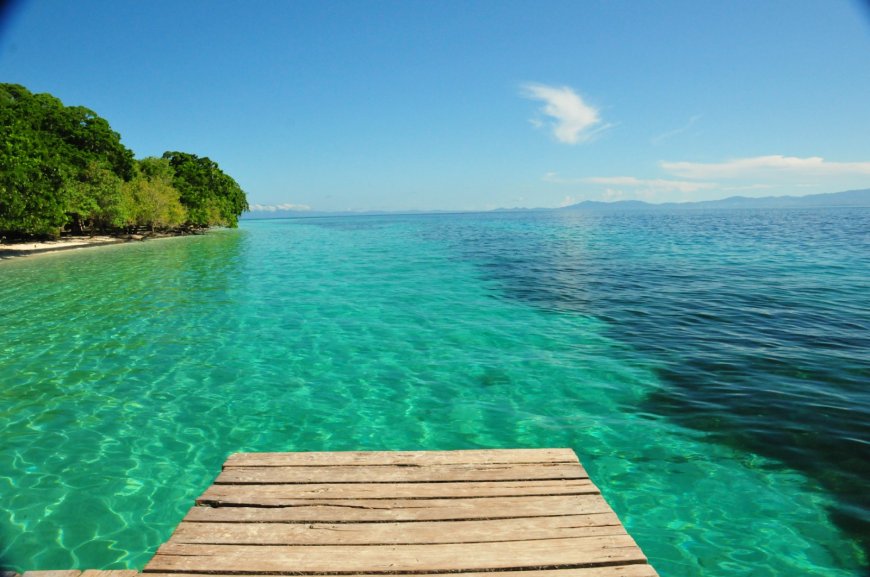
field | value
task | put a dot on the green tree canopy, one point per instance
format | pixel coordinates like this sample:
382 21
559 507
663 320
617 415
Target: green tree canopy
64 167
55 162
76 134
153 201
210 196
31 186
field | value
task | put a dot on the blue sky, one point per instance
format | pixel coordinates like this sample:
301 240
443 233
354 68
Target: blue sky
470 105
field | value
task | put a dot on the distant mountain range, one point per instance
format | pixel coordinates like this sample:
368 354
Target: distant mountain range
853 198
833 199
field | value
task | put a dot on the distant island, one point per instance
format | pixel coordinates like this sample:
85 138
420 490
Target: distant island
63 170
849 198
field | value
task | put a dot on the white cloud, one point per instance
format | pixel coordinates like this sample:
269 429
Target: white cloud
761 166
755 176
652 184
277 207
572 120
655 185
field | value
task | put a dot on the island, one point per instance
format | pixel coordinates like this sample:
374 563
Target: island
64 172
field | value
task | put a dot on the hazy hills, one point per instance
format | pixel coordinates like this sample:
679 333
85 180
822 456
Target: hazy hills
833 199
854 198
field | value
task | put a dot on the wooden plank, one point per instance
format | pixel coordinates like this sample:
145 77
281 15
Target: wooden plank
278 495
326 510
63 573
522 513
396 533
401 473
375 458
587 551
634 570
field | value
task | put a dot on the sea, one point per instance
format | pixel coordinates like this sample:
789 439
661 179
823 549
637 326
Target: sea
711 369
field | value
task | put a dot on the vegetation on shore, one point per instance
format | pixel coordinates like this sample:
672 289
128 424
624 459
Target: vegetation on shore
64 170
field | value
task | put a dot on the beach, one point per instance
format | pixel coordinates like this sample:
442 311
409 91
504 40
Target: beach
20 249
47 246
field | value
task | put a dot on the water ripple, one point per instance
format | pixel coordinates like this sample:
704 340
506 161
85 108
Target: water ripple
695 398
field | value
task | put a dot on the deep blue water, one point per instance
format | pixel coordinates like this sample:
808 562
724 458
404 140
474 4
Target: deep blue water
710 369
757 321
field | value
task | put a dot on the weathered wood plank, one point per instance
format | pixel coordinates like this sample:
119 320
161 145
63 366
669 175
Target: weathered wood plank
360 510
62 573
401 473
375 458
414 532
634 570
516 512
613 550
277 495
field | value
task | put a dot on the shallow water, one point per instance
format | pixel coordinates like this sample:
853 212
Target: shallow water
709 369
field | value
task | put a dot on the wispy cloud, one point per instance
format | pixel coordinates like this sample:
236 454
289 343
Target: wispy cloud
653 185
656 140
571 119
277 207
765 166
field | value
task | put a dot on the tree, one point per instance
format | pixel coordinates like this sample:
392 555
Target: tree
31 172
64 167
31 187
210 196
52 160
155 202
97 200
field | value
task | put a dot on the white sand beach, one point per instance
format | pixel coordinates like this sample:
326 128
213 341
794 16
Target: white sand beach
30 248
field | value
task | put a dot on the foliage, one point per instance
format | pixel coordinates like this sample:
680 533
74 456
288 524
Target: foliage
153 200
96 200
211 197
32 172
31 183
64 168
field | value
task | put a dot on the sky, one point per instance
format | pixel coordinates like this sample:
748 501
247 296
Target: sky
469 105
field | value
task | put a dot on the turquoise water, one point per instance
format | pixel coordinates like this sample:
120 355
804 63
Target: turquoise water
709 369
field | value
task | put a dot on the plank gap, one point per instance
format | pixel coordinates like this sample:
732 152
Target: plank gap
374 465
352 522
218 503
410 543
530 568
407 482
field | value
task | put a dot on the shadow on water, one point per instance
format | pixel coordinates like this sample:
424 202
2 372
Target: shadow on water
823 442
759 357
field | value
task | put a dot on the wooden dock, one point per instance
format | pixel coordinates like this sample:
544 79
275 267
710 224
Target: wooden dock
402 513
521 513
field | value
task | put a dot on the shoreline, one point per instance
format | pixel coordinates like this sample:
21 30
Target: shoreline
30 248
